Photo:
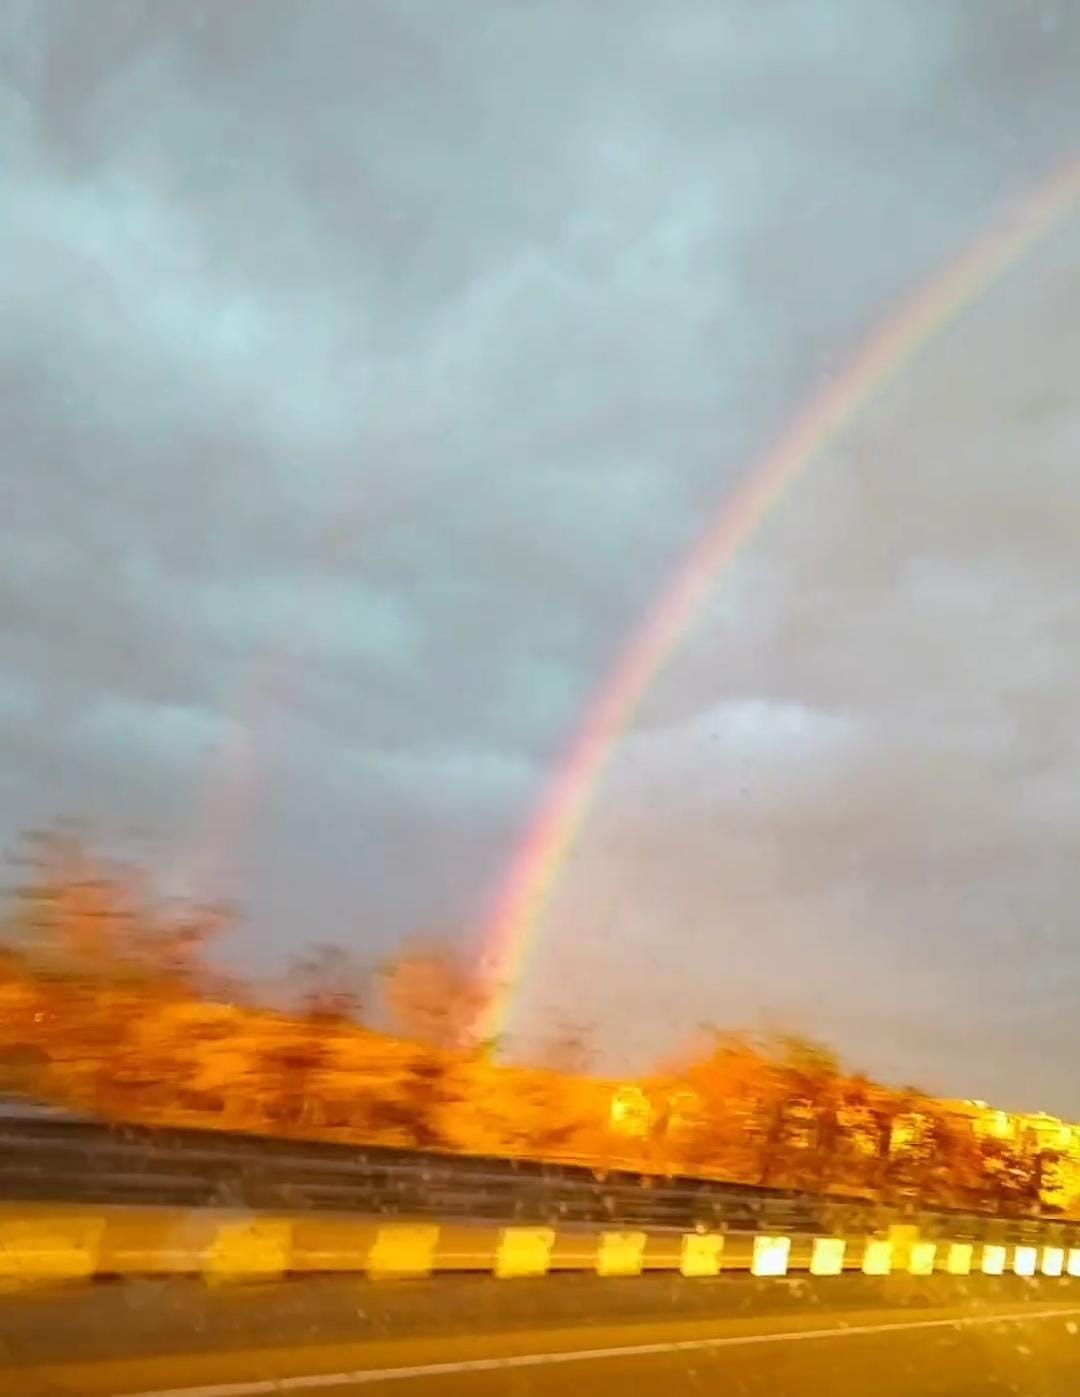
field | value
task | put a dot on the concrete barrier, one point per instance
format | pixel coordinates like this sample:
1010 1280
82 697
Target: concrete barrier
402 1250
877 1257
770 1256
620 1253
701 1253
321 1243
45 1245
738 1251
523 1251
574 1249
662 1251
255 1248
156 1241
827 1257
1053 1261
41 1244
958 1258
465 1247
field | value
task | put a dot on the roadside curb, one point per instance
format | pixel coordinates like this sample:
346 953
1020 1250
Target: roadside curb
45 1243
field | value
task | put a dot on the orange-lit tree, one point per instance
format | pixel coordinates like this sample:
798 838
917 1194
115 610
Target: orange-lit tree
108 1003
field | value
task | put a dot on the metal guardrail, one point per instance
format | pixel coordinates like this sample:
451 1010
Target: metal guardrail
88 1162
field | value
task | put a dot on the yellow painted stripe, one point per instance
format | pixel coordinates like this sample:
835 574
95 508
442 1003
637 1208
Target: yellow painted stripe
701 1252
523 1251
620 1253
827 1258
1053 1261
403 1249
50 1246
877 1258
249 1248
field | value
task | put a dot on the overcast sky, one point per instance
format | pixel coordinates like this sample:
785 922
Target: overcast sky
365 369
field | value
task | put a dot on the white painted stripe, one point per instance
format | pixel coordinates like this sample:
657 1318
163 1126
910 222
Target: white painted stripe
307 1382
1053 1261
770 1256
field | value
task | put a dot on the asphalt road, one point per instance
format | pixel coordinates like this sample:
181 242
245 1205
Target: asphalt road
466 1335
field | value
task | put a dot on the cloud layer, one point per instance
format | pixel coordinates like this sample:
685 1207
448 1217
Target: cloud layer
364 371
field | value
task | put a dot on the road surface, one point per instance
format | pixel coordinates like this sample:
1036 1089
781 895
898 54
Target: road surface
560 1335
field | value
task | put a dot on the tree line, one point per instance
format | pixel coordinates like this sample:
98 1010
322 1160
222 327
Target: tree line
109 1004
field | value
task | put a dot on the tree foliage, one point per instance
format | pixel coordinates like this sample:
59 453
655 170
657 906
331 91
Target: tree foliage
76 915
328 983
432 994
109 1004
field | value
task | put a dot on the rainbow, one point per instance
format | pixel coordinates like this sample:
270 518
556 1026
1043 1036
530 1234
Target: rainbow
534 871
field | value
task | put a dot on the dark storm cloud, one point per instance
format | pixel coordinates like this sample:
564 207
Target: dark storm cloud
365 368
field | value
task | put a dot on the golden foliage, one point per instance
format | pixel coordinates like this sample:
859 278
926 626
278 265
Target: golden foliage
106 1006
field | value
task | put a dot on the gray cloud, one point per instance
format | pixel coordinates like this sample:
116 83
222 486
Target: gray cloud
853 803
365 370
